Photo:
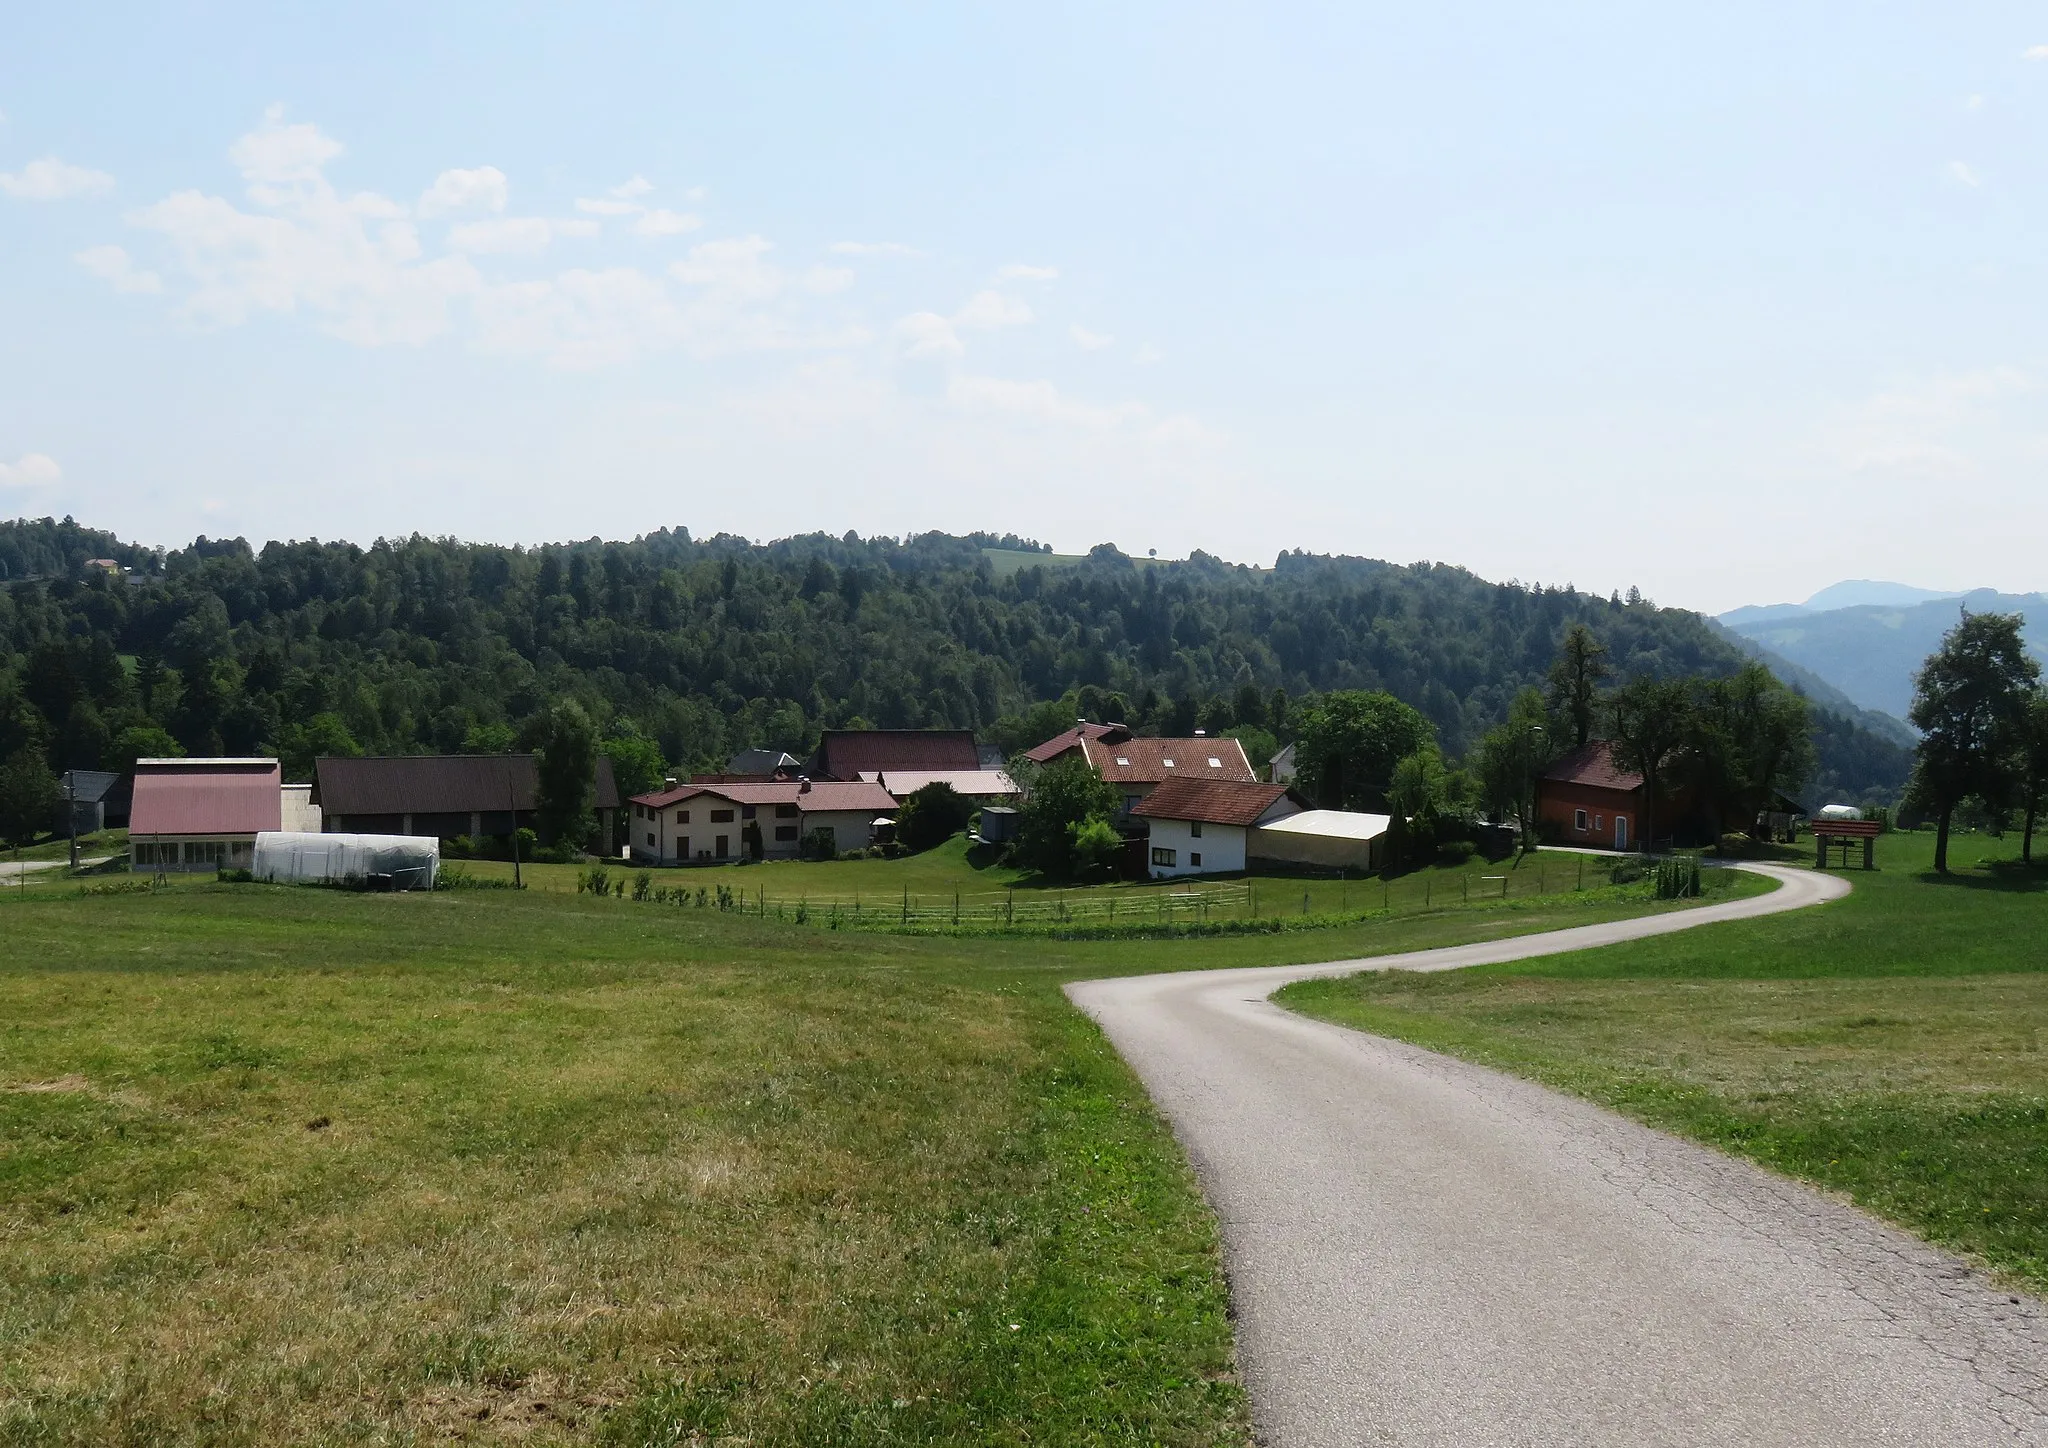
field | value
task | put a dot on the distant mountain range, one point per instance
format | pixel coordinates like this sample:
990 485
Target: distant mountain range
1867 639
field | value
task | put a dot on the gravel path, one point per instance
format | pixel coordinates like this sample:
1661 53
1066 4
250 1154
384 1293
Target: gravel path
1426 1252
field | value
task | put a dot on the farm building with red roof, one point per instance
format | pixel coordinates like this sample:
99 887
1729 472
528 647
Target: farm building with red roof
1587 799
202 814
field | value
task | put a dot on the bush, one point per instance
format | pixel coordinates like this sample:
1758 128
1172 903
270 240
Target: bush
931 816
1096 851
1455 852
234 877
597 881
1678 879
821 844
642 884
1628 871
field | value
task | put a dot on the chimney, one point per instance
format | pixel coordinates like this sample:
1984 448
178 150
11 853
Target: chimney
1201 734
803 784
670 782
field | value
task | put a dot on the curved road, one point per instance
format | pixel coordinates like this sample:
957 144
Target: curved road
1426 1252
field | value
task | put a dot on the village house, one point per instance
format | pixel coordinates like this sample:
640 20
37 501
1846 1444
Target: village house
202 814
1137 766
1585 798
763 820
981 786
1200 826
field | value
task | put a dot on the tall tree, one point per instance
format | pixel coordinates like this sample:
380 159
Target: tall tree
2033 770
1750 740
1064 799
1970 705
1649 719
1348 745
28 797
1513 755
1575 677
567 745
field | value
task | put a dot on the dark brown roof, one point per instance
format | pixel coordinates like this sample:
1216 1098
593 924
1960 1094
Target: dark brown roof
1060 744
1592 765
1213 801
846 753
1151 761
427 784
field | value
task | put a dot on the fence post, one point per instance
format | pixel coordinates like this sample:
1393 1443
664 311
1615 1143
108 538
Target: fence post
1427 885
956 907
906 904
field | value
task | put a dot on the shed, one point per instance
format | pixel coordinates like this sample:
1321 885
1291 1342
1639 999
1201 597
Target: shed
90 796
1334 839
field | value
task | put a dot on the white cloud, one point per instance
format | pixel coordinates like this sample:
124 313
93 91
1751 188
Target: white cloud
32 470
927 334
2037 52
1089 341
458 190
1147 355
1018 272
113 265
875 248
596 206
1962 175
53 180
667 223
275 152
501 234
992 309
637 187
1040 401
1933 429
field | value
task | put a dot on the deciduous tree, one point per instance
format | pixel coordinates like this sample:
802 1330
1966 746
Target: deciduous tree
1575 677
1648 720
1970 703
1349 743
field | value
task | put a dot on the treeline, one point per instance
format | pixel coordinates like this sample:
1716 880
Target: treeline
701 647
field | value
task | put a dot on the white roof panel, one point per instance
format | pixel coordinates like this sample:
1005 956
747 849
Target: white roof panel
1335 824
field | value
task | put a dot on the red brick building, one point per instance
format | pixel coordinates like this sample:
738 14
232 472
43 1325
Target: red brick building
1587 799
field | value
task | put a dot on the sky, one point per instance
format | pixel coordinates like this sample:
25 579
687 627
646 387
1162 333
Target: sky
1722 303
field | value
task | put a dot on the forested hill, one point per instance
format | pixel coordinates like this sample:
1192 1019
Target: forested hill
715 644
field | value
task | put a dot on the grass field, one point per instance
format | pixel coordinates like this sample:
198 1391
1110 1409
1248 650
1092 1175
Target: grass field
299 1165
1892 1046
954 882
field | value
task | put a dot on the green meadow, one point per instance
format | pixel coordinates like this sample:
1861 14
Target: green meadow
296 1165
1892 1046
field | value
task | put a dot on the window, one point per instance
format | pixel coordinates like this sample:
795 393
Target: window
1579 820
785 832
1195 828
1124 760
1599 822
1214 762
721 816
746 811
785 811
1195 859
1164 857
1168 763
682 816
650 839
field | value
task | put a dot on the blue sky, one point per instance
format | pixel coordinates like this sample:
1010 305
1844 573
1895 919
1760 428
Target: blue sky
1724 304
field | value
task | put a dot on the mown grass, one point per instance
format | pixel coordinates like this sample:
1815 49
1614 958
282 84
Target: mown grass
297 1165
1892 1046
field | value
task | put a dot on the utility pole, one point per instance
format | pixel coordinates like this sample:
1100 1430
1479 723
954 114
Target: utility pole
512 801
71 814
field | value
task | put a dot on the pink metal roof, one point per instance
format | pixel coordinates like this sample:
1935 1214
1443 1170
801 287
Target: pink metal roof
206 797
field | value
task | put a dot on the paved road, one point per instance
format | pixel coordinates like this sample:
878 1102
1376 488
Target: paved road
9 870
1425 1252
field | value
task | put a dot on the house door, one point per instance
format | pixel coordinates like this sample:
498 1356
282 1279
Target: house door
722 851
1621 832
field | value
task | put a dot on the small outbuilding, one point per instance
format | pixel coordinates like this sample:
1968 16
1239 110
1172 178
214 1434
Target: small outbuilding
1329 839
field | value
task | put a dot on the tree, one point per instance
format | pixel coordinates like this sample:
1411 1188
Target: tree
932 815
1095 850
489 739
1750 740
566 744
2033 770
1970 705
1420 798
140 741
637 765
1650 719
1061 798
1575 677
324 736
28 797
1513 756
1348 744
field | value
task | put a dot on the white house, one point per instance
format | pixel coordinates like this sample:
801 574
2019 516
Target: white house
1201 826
767 820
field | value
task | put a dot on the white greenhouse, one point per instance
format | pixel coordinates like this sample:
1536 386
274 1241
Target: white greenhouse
387 862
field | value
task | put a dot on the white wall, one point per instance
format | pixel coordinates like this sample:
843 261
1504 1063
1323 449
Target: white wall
852 829
1220 846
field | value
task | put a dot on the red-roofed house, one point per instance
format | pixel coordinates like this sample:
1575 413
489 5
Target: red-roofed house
1137 766
847 754
1590 800
202 814
708 823
1200 826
